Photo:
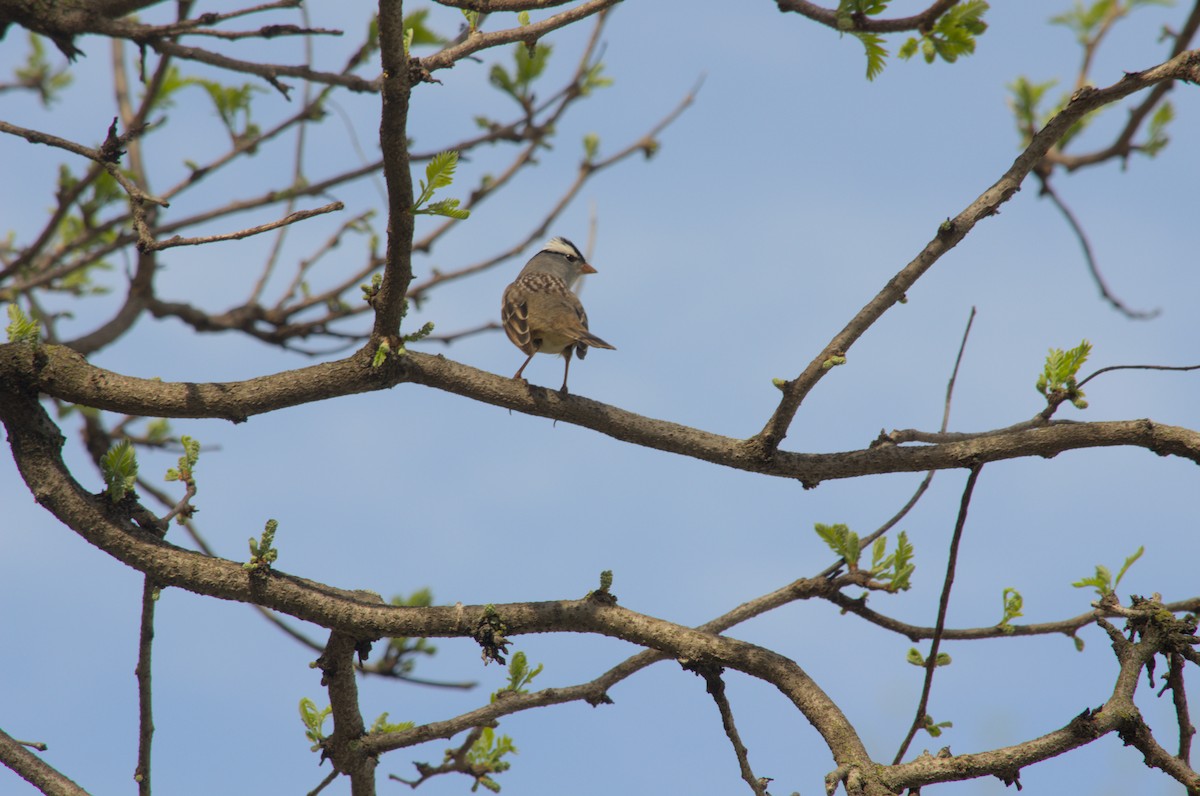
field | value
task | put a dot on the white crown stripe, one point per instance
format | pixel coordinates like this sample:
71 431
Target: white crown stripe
562 246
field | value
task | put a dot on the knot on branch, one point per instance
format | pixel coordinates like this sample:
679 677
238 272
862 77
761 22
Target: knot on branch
491 636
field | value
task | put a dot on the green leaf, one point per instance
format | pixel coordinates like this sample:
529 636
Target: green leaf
934 730
187 462
1058 377
381 354
381 724
444 207
1156 136
1013 602
262 553
529 63
1025 101
420 334
593 78
439 173
487 751
1086 21
37 73
1128 563
119 468
313 720
420 33
519 675
952 36
1103 581
841 540
21 328
876 53
591 146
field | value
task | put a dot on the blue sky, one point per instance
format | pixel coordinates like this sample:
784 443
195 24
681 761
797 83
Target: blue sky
778 205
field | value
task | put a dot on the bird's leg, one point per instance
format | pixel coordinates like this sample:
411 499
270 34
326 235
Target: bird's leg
567 368
521 369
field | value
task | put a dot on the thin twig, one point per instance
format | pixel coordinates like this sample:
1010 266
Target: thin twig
481 41
292 218
329 778
928 479
1090 258
145 692
716 687
1137 367
920 720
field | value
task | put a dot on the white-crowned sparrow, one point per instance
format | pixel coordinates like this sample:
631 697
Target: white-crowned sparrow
541 314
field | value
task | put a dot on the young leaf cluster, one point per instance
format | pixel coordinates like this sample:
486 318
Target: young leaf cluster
1103 581
519 676
1013 603
262 553
21 328
1156 131
953 35
875 51
381 724
37 73
232 104
472 18
119 468
187 462
842 541
417 33
934 730
439 173
529 64
917 659
892 571
1058 380
1089 22
314 721
485 758
847 12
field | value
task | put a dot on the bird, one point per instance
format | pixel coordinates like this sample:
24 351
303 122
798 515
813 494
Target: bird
541 314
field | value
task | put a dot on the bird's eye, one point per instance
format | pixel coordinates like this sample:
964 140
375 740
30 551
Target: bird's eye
571 258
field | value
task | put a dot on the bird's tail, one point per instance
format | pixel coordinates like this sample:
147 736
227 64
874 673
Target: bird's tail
589 339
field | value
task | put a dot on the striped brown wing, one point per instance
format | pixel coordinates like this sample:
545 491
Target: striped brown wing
514 317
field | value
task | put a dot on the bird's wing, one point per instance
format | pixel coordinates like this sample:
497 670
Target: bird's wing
514 317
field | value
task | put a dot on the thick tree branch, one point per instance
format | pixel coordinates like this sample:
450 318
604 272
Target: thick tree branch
37 444
388 302
64 374
344 746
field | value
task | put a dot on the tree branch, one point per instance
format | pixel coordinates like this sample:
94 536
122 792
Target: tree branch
867 24
931 662
1185 66
481 41
388 302
34 770
64 374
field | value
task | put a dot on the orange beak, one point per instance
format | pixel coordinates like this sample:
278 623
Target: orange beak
585 268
